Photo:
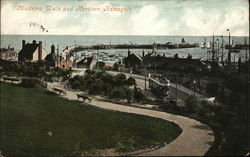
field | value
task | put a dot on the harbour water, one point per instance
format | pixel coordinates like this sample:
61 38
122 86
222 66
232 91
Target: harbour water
70 40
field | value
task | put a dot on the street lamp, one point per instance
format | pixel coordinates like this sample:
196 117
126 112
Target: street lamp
222 49
229 49
194 82
218 50
176 88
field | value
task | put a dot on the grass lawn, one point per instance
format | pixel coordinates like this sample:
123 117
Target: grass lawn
34 122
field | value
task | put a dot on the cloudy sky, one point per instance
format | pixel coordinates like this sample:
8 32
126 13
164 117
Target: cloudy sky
143 17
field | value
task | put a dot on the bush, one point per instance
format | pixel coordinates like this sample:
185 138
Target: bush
138 95
130 81
33 83
192 104
212 89
75 84
120 79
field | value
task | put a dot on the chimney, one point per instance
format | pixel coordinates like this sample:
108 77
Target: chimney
40 51
53 49
23 43
129 52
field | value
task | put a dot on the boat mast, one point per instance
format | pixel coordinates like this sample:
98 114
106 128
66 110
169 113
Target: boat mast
229 49
222 49
213 50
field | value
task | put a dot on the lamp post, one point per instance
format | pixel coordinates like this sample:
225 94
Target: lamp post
145 80
97 57
229 48
176 92
194 86
218 50
213 49
145 73
222 49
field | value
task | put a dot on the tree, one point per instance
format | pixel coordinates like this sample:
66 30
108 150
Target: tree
130 81
120 79
129 95
75 84
212 89
192 104
121 76
138 95
116 66
207 110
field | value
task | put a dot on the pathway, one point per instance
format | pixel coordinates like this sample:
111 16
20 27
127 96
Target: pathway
195 140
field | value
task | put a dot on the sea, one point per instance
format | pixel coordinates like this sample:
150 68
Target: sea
76 40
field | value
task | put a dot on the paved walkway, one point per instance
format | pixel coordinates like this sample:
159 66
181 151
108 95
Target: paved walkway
195 140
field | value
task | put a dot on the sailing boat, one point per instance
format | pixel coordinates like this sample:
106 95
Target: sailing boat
207 45
202 45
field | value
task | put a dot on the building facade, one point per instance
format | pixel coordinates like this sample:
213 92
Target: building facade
8 54
55 60
31 52
133 61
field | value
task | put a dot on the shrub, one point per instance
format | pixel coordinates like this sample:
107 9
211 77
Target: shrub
192 104
138 95
212 89
75 84
33 83
120 79
130 81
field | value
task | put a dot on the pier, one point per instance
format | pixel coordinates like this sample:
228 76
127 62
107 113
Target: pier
69 50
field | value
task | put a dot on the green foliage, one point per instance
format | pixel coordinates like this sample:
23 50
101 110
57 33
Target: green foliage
192 104
211 89
116 67
38 70
102 83
120 79
32 83
76 84
169 106
129 95
130 81
138 95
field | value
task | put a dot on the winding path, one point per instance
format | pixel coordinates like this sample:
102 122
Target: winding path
195 140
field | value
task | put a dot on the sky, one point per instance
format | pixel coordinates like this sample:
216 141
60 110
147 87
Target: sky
139 17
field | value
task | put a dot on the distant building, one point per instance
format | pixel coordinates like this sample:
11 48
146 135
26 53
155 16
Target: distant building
31 52
8 54
162 62
55 60
64 63
89 63
132 61
52 58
